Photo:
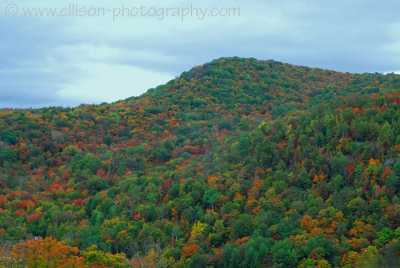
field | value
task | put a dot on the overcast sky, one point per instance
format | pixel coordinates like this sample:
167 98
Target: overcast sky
68 59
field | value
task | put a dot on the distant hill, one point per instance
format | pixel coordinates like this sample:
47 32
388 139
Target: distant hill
235 163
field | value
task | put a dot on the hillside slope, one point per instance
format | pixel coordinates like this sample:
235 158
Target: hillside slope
235 163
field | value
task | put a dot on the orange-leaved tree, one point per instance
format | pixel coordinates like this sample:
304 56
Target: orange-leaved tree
46 253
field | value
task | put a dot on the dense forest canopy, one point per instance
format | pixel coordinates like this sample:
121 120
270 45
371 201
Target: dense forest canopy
236 163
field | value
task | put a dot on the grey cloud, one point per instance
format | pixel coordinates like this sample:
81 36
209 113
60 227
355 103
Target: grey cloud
353 36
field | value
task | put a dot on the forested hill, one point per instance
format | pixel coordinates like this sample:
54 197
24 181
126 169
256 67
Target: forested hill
236 163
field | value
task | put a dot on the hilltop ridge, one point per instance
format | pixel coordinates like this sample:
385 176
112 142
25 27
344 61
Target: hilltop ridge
235 163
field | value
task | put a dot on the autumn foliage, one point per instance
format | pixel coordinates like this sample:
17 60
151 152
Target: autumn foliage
46 253
236 163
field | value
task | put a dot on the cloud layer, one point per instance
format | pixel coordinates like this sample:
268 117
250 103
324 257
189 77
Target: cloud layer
69 60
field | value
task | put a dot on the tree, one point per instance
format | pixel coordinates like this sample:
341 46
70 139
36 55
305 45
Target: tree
244 226
47 253
244 144
210 196
383 237
198 229
339 164
189 251
369 258
97 258
256 251
322 245
96 185
283 253
231 256
7 154
198 261
385 134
